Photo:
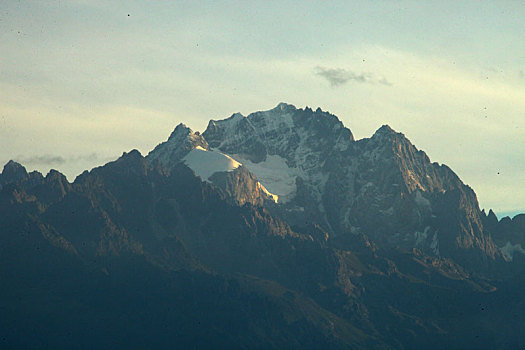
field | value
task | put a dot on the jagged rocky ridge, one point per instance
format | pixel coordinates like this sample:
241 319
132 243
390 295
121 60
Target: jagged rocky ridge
383 187
216 262
127 240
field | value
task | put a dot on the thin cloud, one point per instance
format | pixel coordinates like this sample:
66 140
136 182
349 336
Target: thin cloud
45 159
50 160
339 76
88 157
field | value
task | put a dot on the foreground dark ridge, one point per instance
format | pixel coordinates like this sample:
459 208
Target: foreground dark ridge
373 247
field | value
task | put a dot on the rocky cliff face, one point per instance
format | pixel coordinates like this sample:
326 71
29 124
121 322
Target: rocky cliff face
406 200
147 241
382 186
181 141
121 231
508 233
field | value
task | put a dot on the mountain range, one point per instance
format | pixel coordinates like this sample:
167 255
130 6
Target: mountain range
272 230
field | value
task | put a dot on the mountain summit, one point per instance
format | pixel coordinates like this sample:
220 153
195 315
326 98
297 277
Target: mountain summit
277 229
382 187
308 162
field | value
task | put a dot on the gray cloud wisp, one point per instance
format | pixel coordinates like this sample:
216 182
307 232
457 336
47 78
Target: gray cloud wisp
49 160
340 76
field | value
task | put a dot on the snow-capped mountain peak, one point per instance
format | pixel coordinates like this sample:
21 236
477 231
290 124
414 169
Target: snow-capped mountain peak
181 141
191 149
382 185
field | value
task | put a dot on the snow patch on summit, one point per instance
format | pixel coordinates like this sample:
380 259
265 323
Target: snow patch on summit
275 175
205 163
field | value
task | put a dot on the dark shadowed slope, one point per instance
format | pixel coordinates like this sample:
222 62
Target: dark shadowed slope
276 230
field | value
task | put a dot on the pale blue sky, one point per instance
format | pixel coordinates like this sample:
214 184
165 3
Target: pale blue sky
81 81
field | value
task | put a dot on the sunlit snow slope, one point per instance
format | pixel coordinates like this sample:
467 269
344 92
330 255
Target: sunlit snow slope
205 163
